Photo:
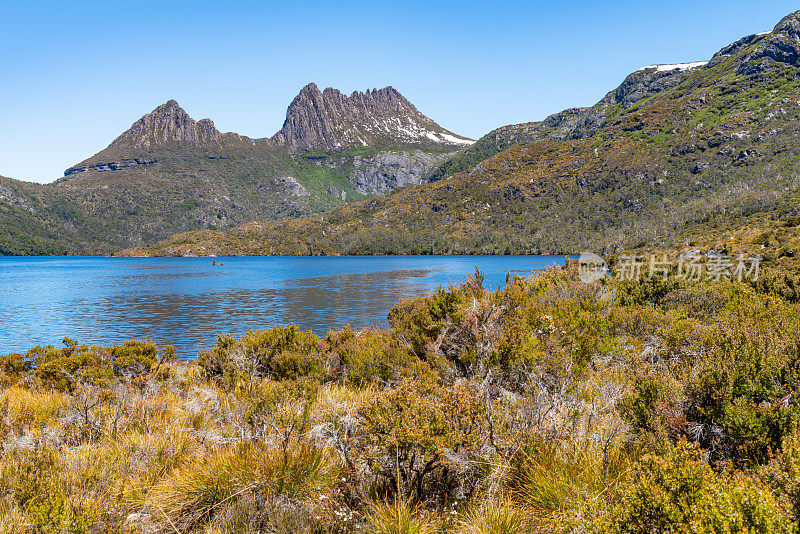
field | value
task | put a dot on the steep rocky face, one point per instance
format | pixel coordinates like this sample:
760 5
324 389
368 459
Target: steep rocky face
329 120
167 123
389 170
139 145
169 173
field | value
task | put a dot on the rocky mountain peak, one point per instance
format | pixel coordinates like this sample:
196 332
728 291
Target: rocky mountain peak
329 119
790 24
167 123
775 49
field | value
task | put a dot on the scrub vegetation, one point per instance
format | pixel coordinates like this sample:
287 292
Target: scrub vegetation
549 405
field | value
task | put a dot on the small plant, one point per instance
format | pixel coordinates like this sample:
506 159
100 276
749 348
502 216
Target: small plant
560 484
398 517
28 408
207 484
498 516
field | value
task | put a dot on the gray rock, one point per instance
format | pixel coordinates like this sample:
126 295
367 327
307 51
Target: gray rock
110 166
388 170
9 194
781 46
168 123
293 186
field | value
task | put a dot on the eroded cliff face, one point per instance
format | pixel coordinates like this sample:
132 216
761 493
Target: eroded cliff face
383 172
328 120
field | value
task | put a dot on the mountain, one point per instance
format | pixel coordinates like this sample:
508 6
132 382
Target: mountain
673 153
329 120
169 173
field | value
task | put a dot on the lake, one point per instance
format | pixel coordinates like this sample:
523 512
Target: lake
186 301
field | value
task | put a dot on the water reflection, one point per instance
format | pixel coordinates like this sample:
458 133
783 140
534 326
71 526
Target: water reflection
185 301
316 303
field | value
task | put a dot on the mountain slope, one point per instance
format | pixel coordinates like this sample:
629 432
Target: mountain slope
169 173
34 220
673 150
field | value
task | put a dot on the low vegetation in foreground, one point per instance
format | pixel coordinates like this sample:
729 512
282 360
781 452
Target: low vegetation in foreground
548 406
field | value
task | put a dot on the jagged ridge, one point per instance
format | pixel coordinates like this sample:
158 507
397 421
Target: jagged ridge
329 120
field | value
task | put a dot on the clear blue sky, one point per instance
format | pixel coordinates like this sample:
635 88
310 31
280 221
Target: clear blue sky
77 74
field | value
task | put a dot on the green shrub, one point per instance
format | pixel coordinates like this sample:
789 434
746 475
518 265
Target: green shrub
650 401
419 321
371 355
410 430
742 402
780 281
679 493
12 367
63 368
280 352
700 303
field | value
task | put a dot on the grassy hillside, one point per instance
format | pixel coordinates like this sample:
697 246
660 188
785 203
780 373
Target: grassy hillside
189 188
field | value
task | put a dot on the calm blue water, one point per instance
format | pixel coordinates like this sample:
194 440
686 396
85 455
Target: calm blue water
186 301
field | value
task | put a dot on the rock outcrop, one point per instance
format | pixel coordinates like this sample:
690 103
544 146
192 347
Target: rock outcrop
6 193
110 166
389 170
780 47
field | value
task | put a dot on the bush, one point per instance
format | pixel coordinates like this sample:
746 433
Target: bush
783 282
742 402
782 475
678 492
280 352
33 480
12 367
420 430
418 321
281 408
650 403
370 355
64 368
699 303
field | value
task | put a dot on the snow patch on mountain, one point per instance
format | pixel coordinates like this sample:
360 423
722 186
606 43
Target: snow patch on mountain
675 66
